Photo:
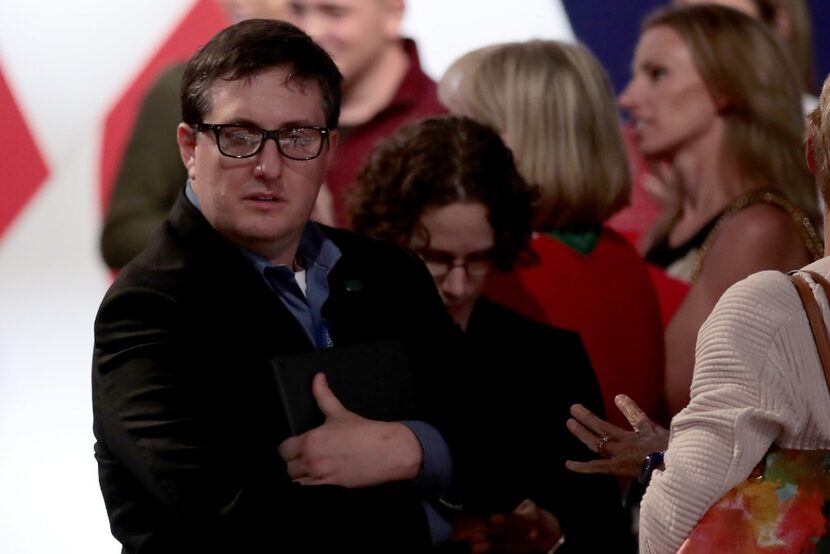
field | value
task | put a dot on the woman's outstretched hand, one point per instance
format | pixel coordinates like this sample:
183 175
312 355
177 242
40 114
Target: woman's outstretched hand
621 451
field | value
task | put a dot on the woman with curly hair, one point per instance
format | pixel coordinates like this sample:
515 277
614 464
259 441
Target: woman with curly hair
448 189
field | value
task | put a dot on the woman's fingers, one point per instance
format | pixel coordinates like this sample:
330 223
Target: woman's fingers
636 417
588 437
604 466
597 425
597 443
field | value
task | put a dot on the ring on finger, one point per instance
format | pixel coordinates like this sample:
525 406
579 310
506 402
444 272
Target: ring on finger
601 445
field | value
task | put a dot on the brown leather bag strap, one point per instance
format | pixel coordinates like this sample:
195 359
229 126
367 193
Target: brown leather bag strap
814 317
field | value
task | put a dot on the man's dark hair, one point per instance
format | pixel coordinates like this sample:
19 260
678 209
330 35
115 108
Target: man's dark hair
250 47
436 162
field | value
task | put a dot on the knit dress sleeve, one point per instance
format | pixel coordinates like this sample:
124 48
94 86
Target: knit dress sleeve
751 355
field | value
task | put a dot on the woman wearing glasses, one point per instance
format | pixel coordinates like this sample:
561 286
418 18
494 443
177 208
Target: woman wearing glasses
448 189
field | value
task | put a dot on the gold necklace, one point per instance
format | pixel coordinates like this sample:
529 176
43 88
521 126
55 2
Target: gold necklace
805 227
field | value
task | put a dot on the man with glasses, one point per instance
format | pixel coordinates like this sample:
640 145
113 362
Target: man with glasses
192 443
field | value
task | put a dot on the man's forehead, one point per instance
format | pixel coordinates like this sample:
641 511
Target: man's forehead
254 92
282 76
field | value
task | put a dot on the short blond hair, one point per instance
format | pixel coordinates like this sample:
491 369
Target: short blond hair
818 135
554 106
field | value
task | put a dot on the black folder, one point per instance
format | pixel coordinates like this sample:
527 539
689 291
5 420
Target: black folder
372 379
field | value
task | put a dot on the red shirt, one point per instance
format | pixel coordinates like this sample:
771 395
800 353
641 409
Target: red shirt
416 98
608 298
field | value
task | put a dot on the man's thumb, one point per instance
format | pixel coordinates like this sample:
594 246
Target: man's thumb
328 403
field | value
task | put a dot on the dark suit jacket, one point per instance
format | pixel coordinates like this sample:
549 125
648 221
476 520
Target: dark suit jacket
521 384
186 415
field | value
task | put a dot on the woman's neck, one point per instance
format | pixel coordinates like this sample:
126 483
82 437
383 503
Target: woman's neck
708 182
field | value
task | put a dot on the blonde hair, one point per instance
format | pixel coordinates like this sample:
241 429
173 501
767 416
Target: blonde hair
818 136
554 106
741 61
790 22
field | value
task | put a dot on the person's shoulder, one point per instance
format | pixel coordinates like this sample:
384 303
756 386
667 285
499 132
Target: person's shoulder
418 90
355 244
172 74
369 252
610 236
761 223
151 284
161 266
764 287
758 237
178 251
758 285
765 301
166 85
552 358
509 322
610 245
750 336
624 254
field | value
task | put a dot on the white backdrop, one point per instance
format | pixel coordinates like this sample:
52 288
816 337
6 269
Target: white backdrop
67 62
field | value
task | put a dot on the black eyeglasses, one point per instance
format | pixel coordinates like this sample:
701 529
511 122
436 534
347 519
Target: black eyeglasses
244 141
439 264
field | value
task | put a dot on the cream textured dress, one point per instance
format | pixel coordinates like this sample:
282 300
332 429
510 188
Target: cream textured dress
757 381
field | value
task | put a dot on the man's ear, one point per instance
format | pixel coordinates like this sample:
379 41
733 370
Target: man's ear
393 18
186 137
333 142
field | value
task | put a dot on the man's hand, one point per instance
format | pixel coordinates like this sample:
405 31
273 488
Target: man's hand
623 451
350 450
528 529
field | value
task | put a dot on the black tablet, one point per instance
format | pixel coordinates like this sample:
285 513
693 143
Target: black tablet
372 379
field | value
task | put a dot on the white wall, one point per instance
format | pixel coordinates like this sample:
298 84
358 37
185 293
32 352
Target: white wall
67 62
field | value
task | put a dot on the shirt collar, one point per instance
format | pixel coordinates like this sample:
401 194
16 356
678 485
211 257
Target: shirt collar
188 192
315 251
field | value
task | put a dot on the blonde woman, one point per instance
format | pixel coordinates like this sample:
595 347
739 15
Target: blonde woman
717 111
553 105
758 382
789 20
717 108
